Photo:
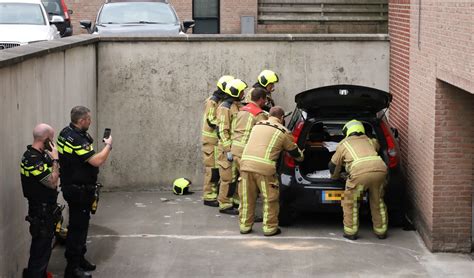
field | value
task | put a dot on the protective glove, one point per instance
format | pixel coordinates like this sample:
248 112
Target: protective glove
230 158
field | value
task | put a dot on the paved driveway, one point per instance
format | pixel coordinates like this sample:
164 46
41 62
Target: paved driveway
158 234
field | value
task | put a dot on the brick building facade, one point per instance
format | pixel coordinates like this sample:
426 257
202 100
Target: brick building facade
370 16
431 77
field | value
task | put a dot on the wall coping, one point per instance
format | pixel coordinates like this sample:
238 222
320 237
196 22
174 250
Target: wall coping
16 55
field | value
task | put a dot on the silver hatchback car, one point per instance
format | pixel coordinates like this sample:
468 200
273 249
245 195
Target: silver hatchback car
24 22
137 17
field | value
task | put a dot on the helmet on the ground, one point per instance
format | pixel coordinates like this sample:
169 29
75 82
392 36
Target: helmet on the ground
223 81
235 87
353 126
267 77
181 186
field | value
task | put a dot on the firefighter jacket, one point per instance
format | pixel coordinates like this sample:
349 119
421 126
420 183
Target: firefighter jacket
358 154
209 121
267 140
226 117
247 117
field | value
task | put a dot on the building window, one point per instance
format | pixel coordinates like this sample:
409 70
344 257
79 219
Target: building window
206 16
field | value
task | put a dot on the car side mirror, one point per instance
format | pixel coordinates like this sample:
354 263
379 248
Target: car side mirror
56 19
86 24
187 24
70 12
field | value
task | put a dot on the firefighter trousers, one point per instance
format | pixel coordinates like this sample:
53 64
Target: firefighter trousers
249 187
374 182
228 183
211 174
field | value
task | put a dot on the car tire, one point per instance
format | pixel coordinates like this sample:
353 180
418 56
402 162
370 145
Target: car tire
287 211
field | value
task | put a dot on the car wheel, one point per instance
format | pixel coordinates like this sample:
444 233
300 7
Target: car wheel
287 213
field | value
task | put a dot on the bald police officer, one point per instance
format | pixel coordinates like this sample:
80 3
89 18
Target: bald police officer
39 180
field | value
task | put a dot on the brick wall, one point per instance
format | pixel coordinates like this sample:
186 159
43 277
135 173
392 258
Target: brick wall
430 49
83 10
231 11
453 175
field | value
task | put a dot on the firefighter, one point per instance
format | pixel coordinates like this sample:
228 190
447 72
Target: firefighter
258 171
265 80
365 171
79 169
209 142
247 117
226 116
39 180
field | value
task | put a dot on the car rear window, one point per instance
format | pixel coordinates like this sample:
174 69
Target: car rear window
21 13
53 7
137 12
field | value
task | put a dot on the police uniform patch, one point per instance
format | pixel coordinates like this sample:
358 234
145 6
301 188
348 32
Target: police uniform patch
87 147
40 167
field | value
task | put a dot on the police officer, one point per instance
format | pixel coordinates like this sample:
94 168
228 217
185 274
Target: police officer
265 80
365 171
79 169
258 171
209 142
226 115
39 180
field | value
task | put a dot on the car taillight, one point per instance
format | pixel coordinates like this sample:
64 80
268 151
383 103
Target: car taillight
297 131
391 147
289 161
66 13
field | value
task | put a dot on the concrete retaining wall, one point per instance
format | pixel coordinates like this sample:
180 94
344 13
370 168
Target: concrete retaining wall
41 89
151 93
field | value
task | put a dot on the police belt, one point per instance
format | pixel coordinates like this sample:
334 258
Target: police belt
84 187
43 207
42 210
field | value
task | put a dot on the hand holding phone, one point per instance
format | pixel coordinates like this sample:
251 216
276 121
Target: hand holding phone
51 149
107 133
47 144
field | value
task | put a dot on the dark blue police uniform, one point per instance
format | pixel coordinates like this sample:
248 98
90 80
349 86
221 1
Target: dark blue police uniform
35 169
78 180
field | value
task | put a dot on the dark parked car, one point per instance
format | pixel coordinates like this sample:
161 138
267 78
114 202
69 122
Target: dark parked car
137 17
316 124
58 7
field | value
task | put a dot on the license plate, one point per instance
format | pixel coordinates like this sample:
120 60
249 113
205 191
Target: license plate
332 196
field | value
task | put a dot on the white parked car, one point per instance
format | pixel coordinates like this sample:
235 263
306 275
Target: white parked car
24 22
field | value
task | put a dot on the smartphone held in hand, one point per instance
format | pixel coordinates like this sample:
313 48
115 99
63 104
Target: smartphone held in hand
107 133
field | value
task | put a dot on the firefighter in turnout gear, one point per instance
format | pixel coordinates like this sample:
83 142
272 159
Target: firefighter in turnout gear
258 171
39 180
265 80
226 117
79 169
365 171
209 142
247 117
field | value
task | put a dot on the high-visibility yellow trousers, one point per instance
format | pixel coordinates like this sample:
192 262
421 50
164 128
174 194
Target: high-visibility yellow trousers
374 182
249 187
211 174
